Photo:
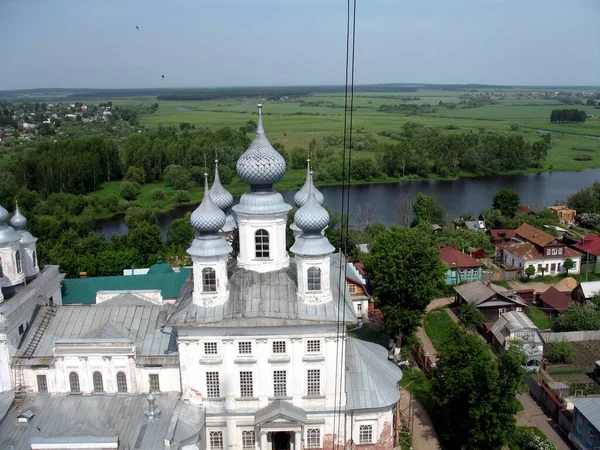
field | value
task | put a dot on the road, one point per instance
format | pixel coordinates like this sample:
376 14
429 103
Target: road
533 416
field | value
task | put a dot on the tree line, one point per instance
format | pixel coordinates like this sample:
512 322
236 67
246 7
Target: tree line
568 115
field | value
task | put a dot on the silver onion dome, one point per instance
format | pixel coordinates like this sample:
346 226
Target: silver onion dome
260 165
18 220
3 216
301 196
218 194
207 218
311 217
7 233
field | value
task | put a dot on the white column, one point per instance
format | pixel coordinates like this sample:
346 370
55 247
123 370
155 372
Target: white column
263 440
297 439
228 375
297 372
84 377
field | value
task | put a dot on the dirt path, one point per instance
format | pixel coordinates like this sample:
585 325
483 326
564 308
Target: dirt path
424 436
533 416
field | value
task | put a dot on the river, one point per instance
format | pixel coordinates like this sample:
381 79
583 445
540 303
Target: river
457 196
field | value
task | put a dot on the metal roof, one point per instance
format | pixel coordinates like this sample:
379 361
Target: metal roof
371 380
512 321
265 299
590 288
90 416
103 321
83 290
478 291
590 408
279 409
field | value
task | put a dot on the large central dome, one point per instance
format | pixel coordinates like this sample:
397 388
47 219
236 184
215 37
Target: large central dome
260 165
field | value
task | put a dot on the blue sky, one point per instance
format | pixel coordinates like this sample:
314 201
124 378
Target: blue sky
84 43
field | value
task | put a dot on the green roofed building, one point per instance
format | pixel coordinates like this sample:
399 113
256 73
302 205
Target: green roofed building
84 290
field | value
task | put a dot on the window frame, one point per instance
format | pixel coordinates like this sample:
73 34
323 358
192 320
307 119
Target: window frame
591 434
74 385
313 346
313 279
19 266
280 383
282 347
213 385
208 348
42 383
262 244
579 424
98 382
245 347
209 280
313 382
313 438
215 440
367 436
154 382
122 386
352 288
246 384
248 443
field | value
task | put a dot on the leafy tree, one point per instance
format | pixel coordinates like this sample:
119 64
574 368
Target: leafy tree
136 214
298 158
180 233
586 200
577 318
470 317
588 220
158 194
226 174
559 352
530 271
507 202
146 239
135 175
515 126
251 126
129 190
568 264
427 210
181 196
177 176
474 394
406 274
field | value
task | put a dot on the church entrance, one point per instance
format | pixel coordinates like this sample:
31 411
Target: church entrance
281 440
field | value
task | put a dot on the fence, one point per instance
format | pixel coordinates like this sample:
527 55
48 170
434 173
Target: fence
503 275
424 360
570 336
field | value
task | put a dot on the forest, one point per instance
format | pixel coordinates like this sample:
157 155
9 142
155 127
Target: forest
567 115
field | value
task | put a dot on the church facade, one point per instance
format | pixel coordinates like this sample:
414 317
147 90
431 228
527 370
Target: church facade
253 354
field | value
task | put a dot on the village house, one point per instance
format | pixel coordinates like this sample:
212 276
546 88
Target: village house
357 286
589 246
533 247
563 215
460 266
501 235
585 428
516 326
586 292
492 300
237 353
553 301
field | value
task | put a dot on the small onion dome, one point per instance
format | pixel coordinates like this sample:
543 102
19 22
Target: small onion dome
208 217
301 196
3 216
218 194
311 217
260 165
18 221
160 267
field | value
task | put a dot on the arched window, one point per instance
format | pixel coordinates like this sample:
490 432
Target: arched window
209 280
313 278
121 382
18 258
74 383
98 384
261 240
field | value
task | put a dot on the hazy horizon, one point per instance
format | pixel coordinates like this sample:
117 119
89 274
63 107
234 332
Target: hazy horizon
236 43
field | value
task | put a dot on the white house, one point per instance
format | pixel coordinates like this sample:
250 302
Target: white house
253 354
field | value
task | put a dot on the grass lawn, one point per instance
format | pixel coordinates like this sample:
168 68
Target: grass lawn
417 383
438 325
539 318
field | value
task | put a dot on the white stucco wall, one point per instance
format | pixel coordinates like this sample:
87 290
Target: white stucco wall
510 259
276 227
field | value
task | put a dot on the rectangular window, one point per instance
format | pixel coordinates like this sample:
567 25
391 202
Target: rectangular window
365 434
539 269
154 383
313 346
558 267
21 329
279 383
560 251
590 437
501 311
555 251
212 385
352 288
42 383
279 347
313 438
552 267
210 348
519 309
313 382
359 307
248 440
216 440
245 348
246 385
579 426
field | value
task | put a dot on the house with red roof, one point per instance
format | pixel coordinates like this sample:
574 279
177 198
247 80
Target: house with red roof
533 247
554 301
461 267
589 246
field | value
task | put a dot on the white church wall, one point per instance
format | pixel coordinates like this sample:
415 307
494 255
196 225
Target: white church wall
278 256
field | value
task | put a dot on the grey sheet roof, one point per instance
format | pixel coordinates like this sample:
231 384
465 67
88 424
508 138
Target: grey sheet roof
590 408
106 321
265 299
279 409
371 380
512 321
72 416
478 291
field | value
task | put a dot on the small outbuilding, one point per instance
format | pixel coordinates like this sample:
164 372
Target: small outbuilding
516 326
554 301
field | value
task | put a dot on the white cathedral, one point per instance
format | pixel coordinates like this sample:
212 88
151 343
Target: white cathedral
253 354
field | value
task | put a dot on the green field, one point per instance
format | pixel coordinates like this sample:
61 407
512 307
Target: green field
294 124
